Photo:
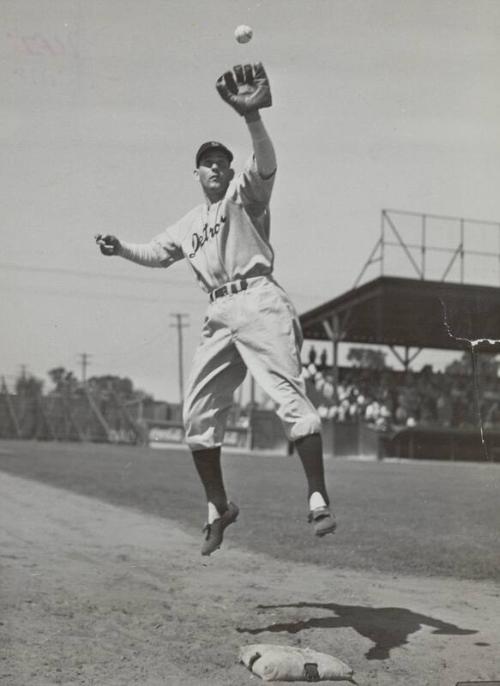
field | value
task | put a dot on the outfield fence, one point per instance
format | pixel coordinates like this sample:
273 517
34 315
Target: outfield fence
87 416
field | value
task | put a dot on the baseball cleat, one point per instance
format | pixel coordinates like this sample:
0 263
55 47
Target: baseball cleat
323 520
215 530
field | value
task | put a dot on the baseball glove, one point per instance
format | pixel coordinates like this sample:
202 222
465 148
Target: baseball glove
247 89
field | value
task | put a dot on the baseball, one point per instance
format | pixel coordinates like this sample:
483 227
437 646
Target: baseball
243 33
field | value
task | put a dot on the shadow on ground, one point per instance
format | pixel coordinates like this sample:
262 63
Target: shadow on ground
385 627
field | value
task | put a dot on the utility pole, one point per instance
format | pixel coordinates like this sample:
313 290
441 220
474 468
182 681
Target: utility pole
84 361
179 325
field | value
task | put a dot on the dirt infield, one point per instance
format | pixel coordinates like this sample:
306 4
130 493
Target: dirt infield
102 595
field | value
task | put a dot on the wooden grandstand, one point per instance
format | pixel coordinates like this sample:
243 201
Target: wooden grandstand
409 315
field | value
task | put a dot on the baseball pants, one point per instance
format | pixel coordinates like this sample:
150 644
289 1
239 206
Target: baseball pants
256 329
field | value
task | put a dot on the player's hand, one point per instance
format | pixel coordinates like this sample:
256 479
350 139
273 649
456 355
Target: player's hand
246 88
109 245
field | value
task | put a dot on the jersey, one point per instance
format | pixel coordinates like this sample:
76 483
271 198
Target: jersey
225 241
256 330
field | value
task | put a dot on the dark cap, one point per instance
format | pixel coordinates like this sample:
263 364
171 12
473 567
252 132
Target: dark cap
212 145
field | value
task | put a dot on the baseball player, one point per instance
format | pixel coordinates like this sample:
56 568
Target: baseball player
250 322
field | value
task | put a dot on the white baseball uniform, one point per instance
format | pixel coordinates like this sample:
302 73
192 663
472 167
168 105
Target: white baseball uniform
253 326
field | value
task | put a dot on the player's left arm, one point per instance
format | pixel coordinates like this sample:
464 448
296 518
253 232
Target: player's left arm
265 156
247 90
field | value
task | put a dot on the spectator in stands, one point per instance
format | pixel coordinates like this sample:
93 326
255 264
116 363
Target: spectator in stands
444 410
400 398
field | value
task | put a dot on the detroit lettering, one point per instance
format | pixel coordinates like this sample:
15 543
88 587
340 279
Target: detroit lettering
198 240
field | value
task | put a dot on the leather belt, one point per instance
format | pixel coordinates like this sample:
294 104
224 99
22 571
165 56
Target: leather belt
232 287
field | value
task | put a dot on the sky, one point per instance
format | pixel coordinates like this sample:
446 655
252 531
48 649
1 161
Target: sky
376 104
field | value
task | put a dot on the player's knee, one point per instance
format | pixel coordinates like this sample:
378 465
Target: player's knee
199 430
200 437
306 425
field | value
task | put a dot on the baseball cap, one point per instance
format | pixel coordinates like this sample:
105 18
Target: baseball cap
212 145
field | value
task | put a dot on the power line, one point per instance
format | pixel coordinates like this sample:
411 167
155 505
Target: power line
72 272
160 336
100 296
182 283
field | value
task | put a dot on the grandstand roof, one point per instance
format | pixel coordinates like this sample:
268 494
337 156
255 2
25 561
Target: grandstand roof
410 312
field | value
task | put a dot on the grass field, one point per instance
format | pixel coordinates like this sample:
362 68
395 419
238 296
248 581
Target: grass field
403 518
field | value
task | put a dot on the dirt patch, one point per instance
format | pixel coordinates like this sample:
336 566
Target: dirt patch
102 595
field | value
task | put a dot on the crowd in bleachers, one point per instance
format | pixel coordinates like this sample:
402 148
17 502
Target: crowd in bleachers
388 398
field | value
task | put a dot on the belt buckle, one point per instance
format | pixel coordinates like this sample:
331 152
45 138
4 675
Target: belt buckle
218 293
